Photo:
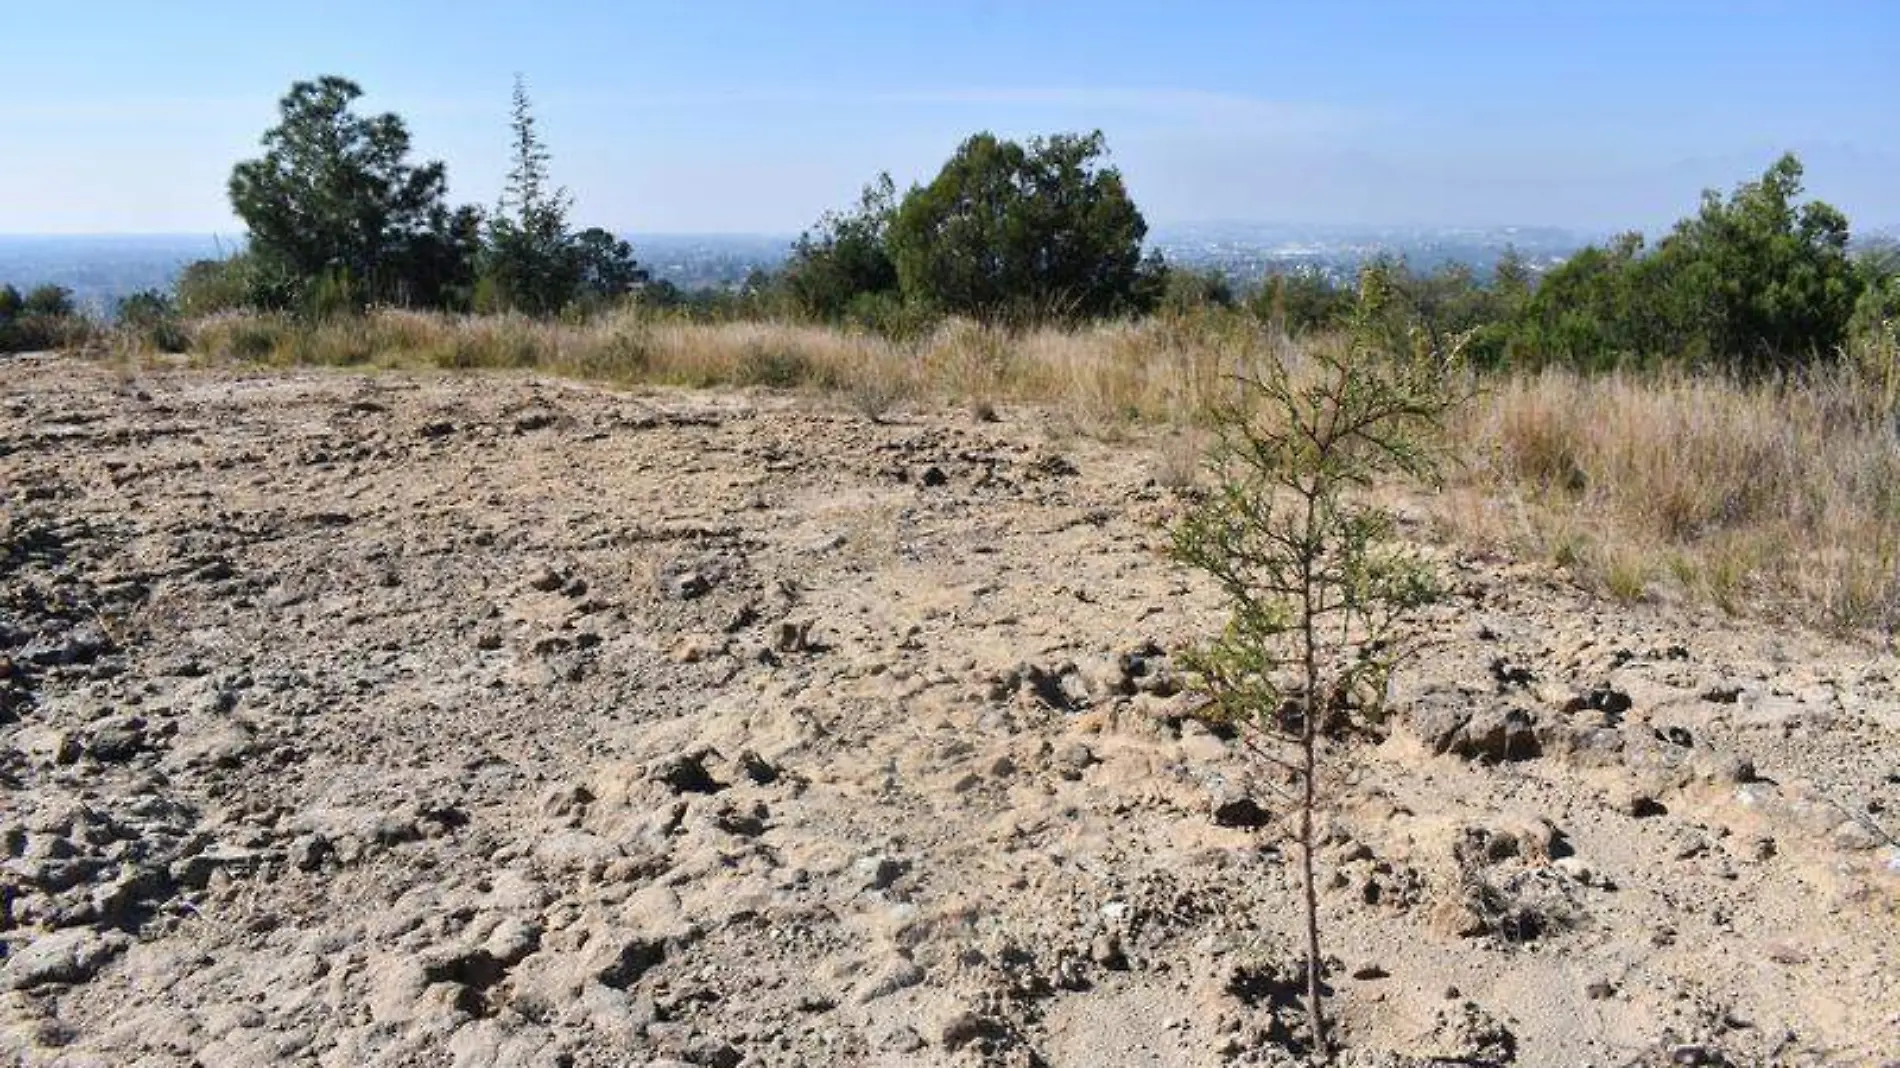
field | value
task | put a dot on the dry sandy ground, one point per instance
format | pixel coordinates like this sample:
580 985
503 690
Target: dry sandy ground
354 720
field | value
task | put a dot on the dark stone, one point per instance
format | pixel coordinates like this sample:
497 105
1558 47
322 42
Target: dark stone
686 773
638 957
1242 812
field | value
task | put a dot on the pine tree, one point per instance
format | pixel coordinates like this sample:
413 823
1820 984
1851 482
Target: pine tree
531 263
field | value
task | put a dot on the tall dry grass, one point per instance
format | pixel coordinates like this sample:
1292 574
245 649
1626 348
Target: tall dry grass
1152 370
1781 497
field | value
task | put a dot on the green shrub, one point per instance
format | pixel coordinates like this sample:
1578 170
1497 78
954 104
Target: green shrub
48 301
43 319
152 318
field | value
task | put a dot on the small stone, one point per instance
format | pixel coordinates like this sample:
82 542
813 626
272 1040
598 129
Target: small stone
1106 950
794 636
902 1039
932 476
962 1027
686 773
898 974
878 873
1786 953
713 1052
1577 870
685 585
118 740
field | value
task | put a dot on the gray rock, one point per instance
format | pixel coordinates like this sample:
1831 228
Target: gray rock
878 872
962 1027
1239 810
902 1039
899 973
685 773
117 740
63 957
81 645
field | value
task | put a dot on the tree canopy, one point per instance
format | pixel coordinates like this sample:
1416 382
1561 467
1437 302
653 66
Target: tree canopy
1042 229
334 196
845 258
1755 281
534 262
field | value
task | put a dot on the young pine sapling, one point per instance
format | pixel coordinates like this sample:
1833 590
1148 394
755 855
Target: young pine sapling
1319 593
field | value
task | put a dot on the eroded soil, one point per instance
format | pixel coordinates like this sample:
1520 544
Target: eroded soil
354 720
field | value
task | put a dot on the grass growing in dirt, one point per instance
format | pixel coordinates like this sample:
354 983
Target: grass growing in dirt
1780 496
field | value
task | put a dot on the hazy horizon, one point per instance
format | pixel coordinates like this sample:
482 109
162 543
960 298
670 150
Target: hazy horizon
748 119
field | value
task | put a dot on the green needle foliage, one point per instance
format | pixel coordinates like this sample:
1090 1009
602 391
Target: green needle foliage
1319 592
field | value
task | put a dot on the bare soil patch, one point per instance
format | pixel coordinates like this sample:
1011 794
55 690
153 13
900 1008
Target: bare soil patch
414 719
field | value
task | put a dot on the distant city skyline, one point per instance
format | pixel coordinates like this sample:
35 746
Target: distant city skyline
754 118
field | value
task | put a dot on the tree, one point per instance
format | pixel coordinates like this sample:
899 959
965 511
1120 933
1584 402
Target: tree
49 300
153 316
1874 333
845 258
1755 281
1318 597
1772 279
1192 290
1301 302
606 267
1041 231
531 264
44 318
335 197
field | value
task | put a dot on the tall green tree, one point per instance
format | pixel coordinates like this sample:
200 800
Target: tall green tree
1770 277
531 265
1010 230
845 258
605 265
335 197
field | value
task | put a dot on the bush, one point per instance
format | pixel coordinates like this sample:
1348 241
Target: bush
844 264
1757 283
1300 303
1187 290
239 282
49 301
43 319
153 319
1873 343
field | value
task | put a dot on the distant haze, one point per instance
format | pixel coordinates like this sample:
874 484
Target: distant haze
103 269
739 117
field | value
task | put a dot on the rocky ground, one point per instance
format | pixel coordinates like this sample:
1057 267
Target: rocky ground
353 720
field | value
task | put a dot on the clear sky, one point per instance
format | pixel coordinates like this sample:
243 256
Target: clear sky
716 115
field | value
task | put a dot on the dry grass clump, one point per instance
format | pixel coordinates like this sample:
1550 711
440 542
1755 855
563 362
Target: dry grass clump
1784 493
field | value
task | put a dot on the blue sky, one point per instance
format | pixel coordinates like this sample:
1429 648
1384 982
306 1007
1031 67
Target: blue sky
714 115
